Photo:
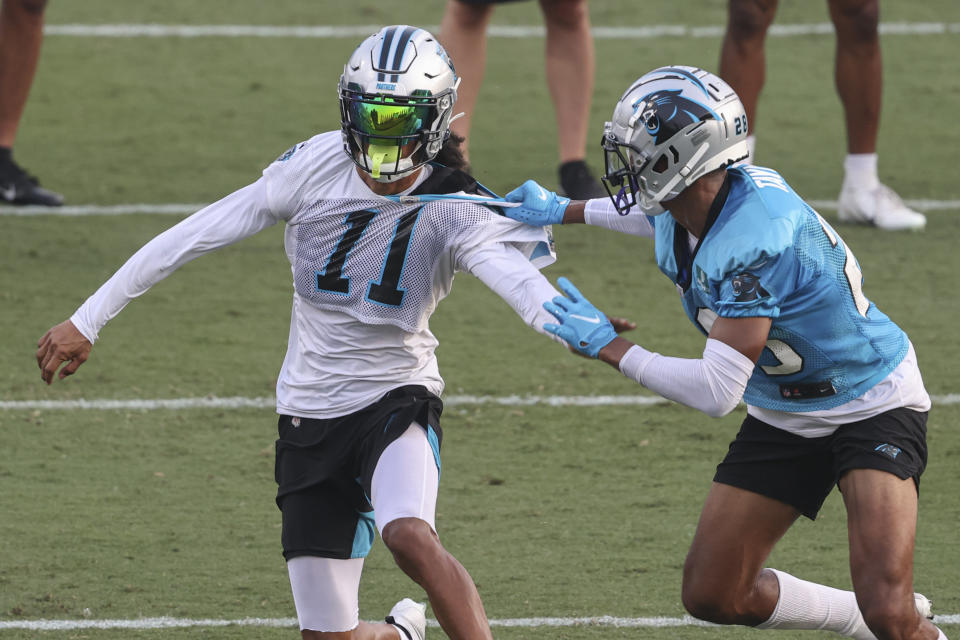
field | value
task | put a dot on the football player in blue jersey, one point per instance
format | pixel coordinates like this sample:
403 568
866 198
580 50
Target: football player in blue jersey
833 391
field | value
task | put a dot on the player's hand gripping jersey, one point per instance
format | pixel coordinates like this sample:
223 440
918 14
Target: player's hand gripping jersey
367 272
766 253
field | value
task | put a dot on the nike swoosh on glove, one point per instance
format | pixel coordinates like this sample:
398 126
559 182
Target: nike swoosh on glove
582 325
538 207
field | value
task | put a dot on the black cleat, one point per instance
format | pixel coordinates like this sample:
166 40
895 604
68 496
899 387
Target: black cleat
19 187
577 183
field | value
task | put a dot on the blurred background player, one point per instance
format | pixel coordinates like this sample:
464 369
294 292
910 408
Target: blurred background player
833 391
21 34
569 69
859 80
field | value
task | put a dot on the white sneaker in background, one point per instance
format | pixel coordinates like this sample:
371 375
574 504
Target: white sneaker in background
409 617
924 606
880 207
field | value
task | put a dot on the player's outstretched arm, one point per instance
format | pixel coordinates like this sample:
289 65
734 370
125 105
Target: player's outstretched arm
63 343
509 274
237 216
713 384
539 207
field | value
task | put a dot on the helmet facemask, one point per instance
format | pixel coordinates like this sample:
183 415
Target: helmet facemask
626 176
390 136
620 178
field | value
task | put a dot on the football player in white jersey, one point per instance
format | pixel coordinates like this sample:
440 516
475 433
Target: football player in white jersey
833 391
357 394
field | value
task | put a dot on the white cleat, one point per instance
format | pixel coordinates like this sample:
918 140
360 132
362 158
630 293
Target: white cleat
409 617
880 207
924 606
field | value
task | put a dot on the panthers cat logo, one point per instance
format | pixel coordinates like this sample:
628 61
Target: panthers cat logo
746 287
666 112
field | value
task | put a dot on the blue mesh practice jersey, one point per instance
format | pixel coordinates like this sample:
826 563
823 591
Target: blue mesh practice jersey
765 252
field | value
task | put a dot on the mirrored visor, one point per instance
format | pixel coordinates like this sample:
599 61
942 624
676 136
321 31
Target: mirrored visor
385 118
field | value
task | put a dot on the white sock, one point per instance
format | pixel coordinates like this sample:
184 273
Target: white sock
806 605
941 636
860 171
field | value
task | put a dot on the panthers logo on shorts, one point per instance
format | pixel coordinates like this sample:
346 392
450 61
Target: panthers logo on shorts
664 113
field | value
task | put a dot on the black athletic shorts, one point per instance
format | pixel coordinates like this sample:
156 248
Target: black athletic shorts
802 471
324 469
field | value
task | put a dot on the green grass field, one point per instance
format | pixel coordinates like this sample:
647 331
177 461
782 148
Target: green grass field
556 511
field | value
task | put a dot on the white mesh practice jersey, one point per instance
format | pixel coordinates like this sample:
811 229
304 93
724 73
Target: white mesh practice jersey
367 274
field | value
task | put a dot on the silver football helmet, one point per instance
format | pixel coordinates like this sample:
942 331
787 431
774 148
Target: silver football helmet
396 101
671 126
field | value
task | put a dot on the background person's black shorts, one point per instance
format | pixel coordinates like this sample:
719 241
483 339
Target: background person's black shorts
324 469
802 471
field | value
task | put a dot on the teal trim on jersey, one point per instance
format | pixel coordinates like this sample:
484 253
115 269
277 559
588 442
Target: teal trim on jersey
435 445
541 250
363 536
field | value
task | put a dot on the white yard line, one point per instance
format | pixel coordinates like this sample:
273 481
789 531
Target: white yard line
918 204
268 402
171 623
497 31
923 204
102 210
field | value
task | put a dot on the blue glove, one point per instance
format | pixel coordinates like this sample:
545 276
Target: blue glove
582 325
540 207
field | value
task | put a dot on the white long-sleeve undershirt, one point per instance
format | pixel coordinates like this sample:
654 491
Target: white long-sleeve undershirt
600 212
235 217
511 276
713 384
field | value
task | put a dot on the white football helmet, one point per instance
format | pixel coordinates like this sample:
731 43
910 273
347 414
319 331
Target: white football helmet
671 126
396 101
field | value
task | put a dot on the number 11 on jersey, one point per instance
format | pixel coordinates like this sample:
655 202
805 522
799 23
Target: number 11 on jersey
386 290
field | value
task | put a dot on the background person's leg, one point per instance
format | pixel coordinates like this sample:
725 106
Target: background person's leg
859 70
742 57
463 33
570 67
859 81
21 35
